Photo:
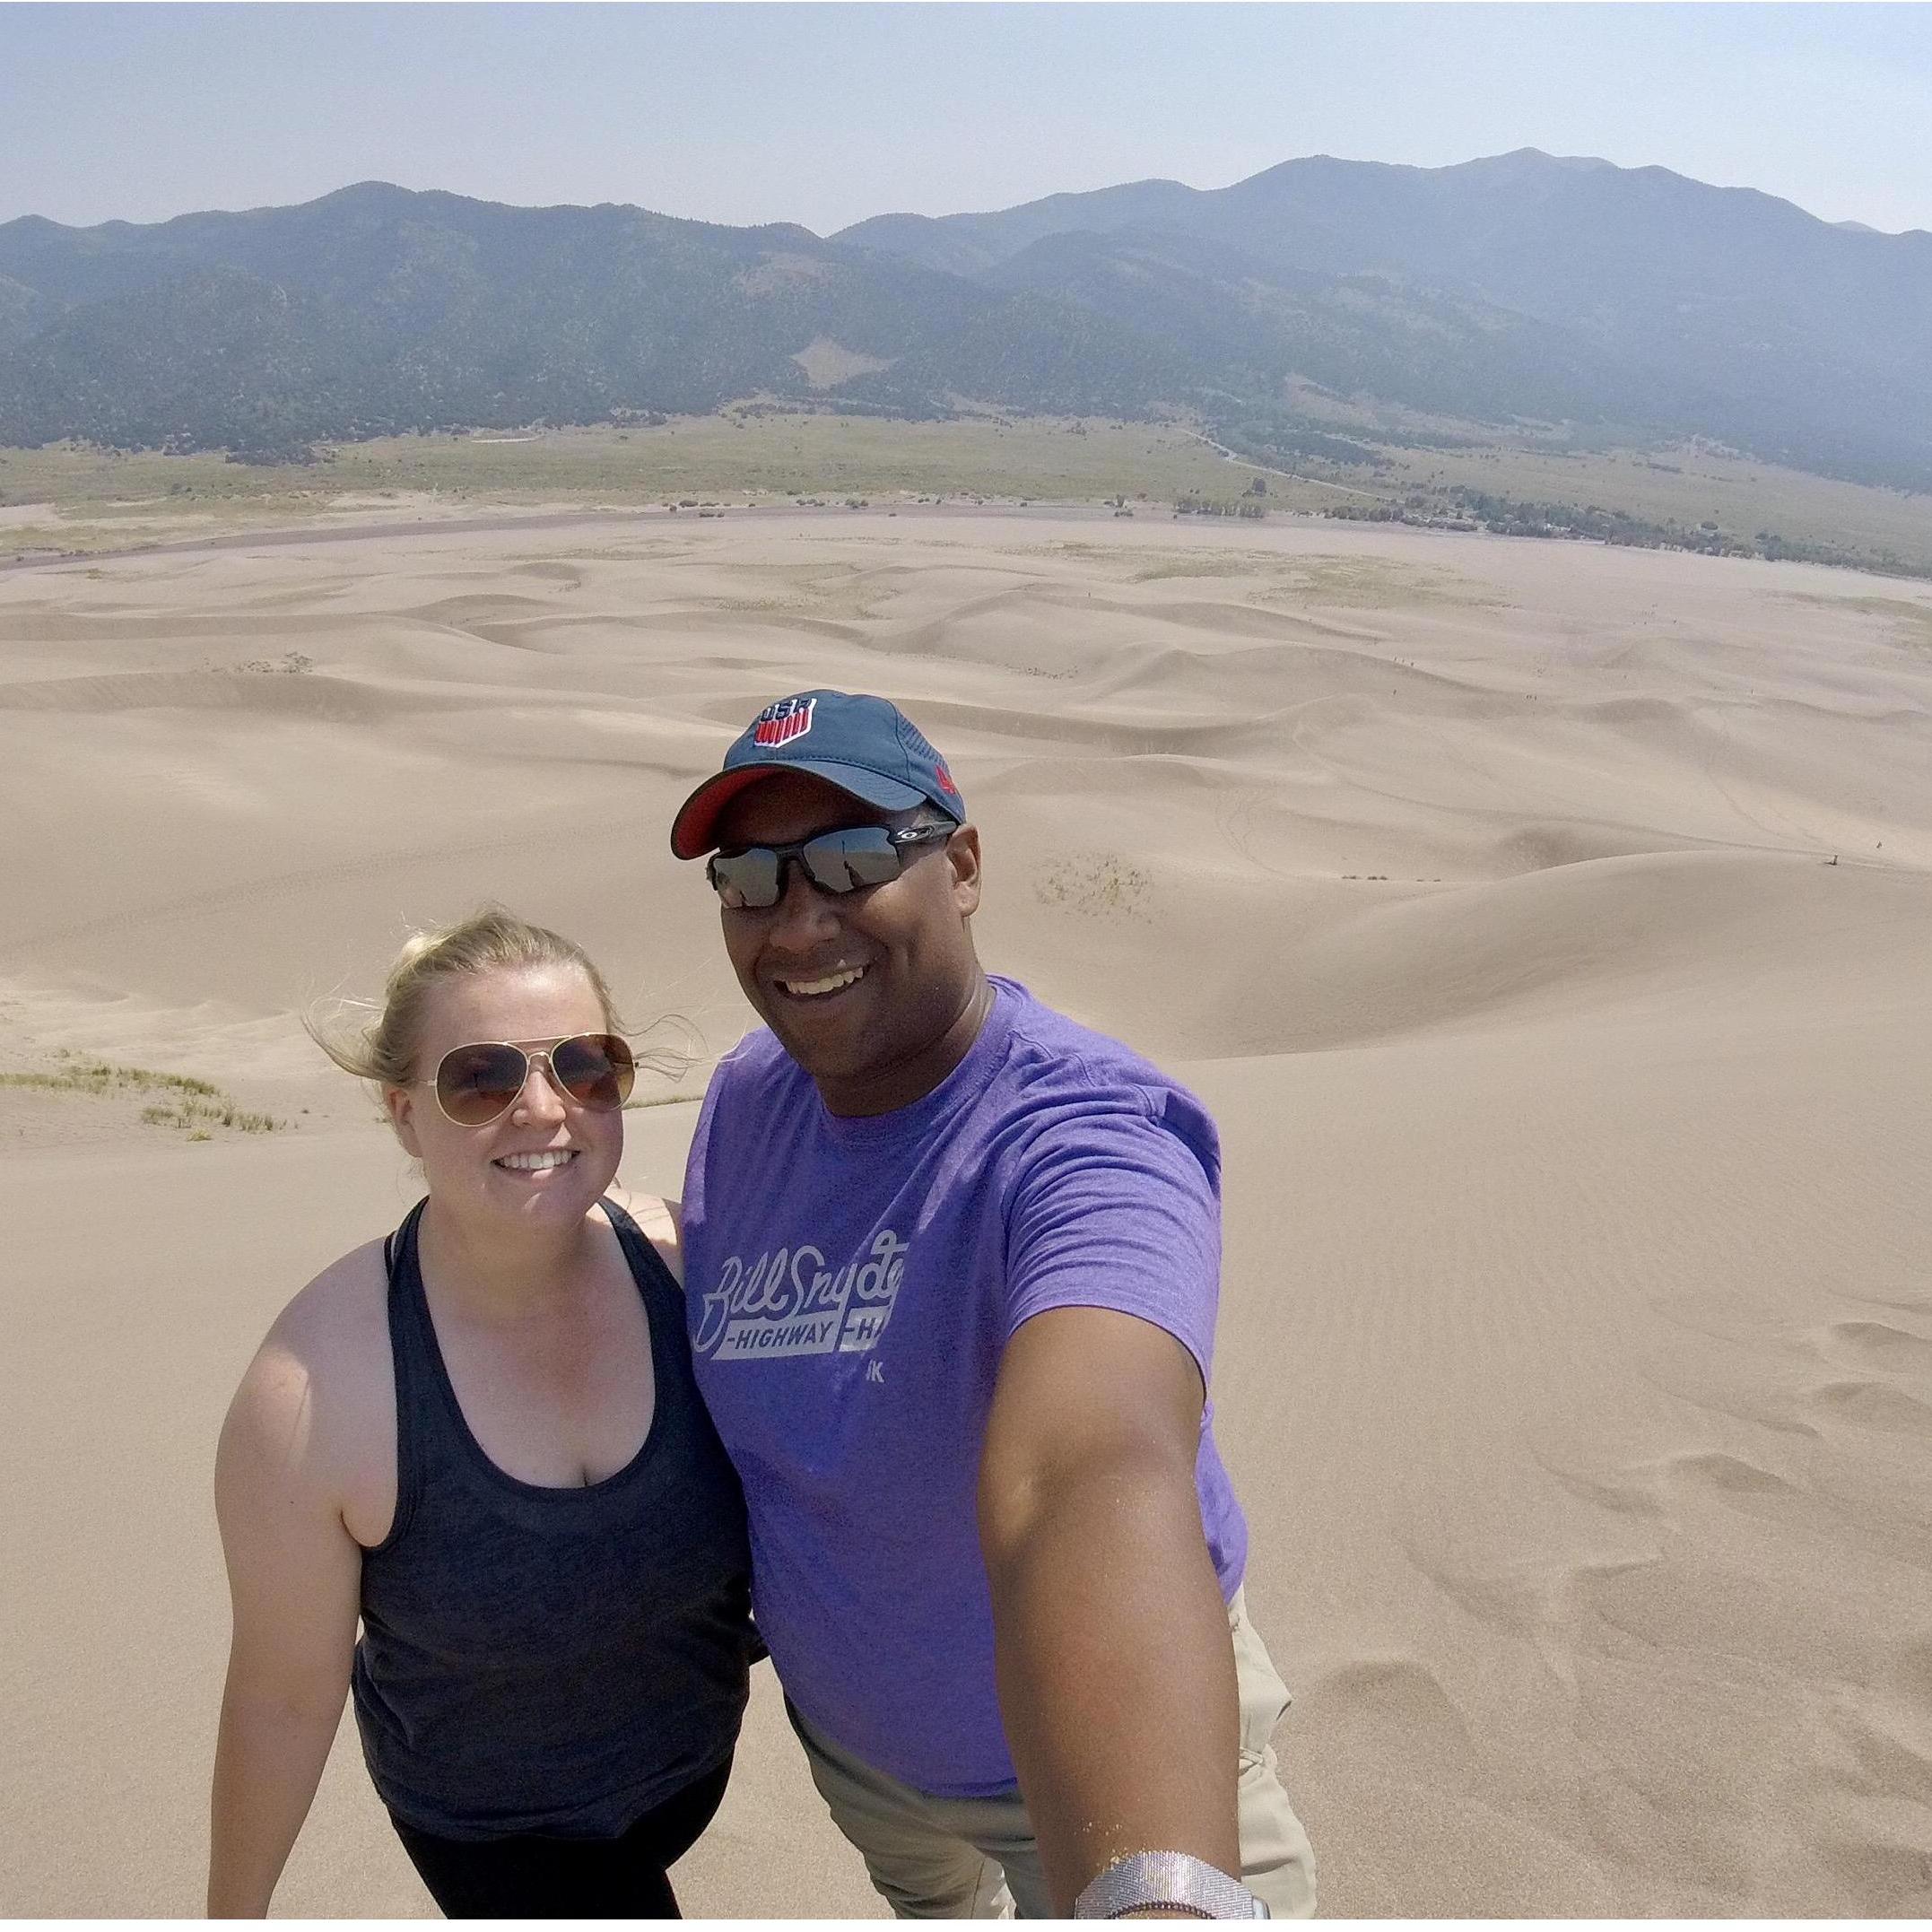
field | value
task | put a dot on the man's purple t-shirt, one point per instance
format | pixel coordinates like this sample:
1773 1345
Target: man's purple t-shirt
851 1285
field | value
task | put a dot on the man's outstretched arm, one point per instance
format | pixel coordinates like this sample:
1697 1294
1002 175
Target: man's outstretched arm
1116 1673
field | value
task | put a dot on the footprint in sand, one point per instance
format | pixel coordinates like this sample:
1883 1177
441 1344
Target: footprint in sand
1395 1702
1715 1469
1874 1406
1911 1676
1882 1752
1629 1493
1884 1881
1875 1345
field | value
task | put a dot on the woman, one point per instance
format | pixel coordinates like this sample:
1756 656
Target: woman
482 1438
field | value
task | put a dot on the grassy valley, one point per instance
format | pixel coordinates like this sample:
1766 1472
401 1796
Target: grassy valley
73 499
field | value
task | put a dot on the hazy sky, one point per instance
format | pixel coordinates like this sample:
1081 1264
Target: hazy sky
824 114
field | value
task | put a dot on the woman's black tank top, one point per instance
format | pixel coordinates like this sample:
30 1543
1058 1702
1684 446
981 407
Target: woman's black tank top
550 1660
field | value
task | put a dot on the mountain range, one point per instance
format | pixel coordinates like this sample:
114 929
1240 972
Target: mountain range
1505 294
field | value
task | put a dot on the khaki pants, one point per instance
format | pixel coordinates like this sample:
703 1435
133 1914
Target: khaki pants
973 1857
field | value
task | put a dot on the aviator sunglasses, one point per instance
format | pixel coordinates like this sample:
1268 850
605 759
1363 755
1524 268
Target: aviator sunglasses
477 1084
754 879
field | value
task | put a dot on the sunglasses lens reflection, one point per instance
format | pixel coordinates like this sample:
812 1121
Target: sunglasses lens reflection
474 1085
746 878
596 1070
844 861
836 862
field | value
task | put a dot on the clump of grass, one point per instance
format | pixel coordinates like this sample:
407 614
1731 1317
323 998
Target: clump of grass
103 1078
1373 583
1096 886
187 1104
1194 567
199 1114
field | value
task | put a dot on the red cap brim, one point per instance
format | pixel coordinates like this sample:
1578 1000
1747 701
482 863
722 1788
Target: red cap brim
693 831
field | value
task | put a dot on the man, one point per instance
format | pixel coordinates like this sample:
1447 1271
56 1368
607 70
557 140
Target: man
952 1264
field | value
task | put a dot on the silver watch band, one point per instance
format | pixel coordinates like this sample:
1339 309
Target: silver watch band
1170 1878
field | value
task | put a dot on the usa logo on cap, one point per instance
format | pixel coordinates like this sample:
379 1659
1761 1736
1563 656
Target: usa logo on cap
780 723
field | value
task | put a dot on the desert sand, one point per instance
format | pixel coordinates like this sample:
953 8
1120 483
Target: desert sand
1548 926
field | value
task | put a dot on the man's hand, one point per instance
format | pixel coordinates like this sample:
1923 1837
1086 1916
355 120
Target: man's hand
1115 1672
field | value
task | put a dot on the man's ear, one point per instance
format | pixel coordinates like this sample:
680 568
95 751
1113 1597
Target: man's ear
400 1104
963 856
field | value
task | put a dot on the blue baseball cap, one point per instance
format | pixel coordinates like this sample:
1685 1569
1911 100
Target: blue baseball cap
863 746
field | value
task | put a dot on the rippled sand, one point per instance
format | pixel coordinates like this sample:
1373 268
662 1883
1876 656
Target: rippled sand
1548 926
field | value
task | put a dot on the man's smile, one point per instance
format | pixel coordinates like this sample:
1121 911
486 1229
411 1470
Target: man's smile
823 985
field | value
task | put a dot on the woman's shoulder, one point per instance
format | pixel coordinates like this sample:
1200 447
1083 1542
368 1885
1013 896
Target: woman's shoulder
342 1316
660 1222
321 1389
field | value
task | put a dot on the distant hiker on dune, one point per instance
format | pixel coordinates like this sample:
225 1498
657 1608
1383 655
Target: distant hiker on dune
952 1264
482 1437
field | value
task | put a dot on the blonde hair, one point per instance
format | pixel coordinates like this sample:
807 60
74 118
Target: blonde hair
384 1050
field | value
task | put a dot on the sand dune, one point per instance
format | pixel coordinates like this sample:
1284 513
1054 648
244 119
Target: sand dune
1548 926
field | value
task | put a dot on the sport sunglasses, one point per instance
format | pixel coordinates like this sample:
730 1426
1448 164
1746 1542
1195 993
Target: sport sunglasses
754 879
477 1084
